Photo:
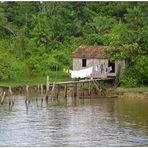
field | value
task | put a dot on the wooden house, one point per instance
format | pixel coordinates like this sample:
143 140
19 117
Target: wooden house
93 56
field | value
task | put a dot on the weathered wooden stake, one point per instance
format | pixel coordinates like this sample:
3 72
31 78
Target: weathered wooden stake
91 89
37 103
38 87
75 89
53 90
26 104
65 91
47 89
89 83
41 90
74 101
27 88
57 91
65 101
41 102
47 85
46 98
3 97
11 103
27 101
27 91
41 93
82 89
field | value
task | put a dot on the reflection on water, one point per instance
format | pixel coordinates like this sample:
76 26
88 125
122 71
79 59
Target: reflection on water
74 122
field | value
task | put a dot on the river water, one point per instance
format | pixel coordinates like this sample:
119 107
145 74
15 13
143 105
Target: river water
75 122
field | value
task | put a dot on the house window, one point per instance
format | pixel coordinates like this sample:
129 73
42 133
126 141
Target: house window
112 64
83 62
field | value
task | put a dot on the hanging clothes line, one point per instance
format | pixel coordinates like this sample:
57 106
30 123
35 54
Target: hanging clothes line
87 72
83 73
99 68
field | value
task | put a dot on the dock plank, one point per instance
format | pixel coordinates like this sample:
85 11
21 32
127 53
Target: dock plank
80 81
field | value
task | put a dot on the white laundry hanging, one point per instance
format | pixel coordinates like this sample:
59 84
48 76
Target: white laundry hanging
81 73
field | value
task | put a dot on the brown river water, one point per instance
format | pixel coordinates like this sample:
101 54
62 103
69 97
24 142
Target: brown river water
75 122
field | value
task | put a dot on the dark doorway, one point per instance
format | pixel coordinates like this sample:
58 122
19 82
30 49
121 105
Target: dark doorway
83 62
112 64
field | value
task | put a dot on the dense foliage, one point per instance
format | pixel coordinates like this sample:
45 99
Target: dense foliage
37 38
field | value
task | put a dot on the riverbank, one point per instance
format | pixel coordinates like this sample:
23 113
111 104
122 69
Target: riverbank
137 92
18 86
136 89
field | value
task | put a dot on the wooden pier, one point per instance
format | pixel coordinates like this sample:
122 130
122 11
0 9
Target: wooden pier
81 81
52 90
55 86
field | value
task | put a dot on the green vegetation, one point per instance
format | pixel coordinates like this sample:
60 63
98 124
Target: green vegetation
36 39
34 80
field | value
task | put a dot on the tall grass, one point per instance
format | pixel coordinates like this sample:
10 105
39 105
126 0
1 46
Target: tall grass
53 77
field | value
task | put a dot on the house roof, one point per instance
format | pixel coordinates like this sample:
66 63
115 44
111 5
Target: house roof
86 51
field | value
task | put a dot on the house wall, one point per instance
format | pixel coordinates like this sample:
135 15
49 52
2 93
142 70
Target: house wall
77 65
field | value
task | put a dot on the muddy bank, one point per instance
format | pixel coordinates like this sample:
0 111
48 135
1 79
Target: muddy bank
132 95
33 90
19 89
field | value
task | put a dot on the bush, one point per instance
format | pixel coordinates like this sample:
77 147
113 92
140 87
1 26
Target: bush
9 67
137 74
129 82
129 78
141 67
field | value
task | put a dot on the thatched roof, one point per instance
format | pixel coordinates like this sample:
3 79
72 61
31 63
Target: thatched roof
86 51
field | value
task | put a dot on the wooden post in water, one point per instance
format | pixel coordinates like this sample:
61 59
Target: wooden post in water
38 92
82 89
27 95
65 91
11 103
89 83
3 97
90 88
53 90
41 89
75 89
27 91
41 93
38 88
65 94
57 91
47 85
46 98
47 89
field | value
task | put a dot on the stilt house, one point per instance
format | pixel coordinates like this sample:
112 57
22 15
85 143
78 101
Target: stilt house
93 56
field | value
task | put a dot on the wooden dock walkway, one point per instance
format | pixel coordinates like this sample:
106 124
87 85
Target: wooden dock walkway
77 88
81 81
91 83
